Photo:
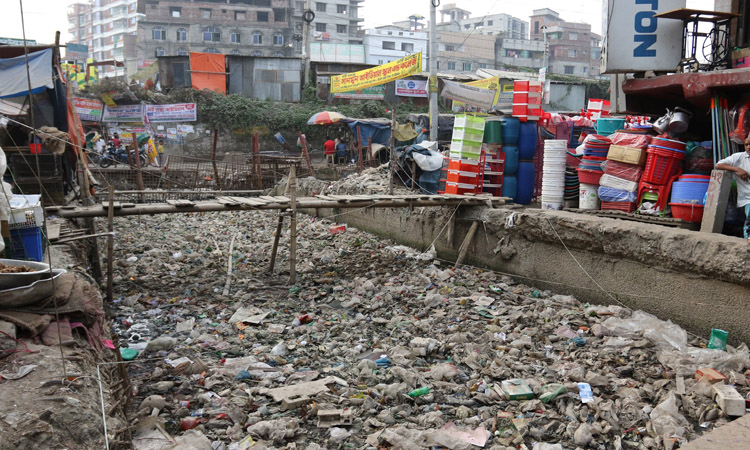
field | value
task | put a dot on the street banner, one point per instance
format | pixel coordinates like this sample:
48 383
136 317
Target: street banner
492 83
472 95
178 112
371 93
377 75
88 110
411 88
124 113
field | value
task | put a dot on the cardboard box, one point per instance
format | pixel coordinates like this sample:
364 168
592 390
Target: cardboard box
741 58
711 376
629 155
729 400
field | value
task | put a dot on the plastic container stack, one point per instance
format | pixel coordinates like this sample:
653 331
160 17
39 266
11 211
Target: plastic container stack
595 152
510 131
663 167
572 185
553 181
527 100
466 168
527 142
689 197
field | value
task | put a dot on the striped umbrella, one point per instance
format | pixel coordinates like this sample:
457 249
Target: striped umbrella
325 118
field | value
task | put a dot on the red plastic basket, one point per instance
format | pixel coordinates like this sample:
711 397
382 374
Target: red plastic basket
687 211
462 177
661 165
669 143
589 176
618 206
464 165
461 189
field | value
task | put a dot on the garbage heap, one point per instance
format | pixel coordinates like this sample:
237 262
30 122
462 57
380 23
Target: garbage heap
382 346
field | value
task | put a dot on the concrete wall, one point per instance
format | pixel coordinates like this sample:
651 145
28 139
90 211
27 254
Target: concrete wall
697 280
567 97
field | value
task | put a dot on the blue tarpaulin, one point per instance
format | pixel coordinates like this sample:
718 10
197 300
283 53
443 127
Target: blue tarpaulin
378 130
13 80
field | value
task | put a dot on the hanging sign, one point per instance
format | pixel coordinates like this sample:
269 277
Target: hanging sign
411 88
88 110
123 113
377 75
178 112
472 95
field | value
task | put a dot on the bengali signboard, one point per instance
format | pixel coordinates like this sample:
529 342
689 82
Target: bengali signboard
76 52
124 113
88 110
377 75
411 88
492 83
178 112
371 93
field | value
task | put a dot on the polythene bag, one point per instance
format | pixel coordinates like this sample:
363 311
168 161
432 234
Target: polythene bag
433 161
608 194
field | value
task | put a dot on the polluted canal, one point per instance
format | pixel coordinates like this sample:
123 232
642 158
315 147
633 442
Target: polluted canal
381 346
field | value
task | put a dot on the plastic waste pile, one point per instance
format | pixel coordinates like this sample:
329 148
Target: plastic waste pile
381 346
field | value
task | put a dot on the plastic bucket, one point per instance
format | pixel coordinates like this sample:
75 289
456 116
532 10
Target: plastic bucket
588 196
511 159
493 132
554 204
510 187
526 179
527 141
509 130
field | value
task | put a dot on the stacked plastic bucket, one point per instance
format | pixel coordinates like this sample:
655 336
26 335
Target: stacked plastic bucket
689 197
553 180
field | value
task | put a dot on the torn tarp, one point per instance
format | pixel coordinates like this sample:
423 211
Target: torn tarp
377 129
13 79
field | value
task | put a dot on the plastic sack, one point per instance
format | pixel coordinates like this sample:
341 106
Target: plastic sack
608 194
622 170
630 140
614 182
663 334
666 418
428 163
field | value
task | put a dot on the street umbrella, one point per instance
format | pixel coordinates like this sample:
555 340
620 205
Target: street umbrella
325 118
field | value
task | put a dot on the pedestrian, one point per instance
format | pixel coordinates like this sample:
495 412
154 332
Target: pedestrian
739 163
160 149
340 150
330 152
116 141
299 140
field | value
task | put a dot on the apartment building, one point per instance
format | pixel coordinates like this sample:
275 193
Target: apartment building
456 19
80 27
572 48
517 54
389 43
335 22
459 52
239 27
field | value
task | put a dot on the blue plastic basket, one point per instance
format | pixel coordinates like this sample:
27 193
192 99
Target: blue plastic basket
608 126
26 244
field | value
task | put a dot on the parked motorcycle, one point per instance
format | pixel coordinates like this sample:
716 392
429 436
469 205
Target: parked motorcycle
119 155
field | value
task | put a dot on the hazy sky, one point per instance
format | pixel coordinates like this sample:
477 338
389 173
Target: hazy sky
44 17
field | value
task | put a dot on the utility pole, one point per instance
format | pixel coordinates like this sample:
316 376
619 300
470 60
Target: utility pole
433 83
306 44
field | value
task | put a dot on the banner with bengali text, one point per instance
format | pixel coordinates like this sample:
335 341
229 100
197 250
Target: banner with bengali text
377 75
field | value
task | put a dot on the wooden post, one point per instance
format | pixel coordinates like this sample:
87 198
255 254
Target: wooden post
393 151
276 238
93 248
213 158
716 201
138 174
110 242
303 141
413 173
369 150
256 159
466 244
293 226
360 163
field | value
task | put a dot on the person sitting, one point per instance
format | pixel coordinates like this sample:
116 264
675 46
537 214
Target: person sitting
340 151
330 147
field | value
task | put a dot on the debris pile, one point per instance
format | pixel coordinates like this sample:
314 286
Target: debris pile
381 346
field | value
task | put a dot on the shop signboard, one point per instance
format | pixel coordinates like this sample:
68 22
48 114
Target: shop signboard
411 88
370 93
123 113
378 75
88 110
636 41
178 112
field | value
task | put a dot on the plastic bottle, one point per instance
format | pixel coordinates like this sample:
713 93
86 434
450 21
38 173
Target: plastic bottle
419 392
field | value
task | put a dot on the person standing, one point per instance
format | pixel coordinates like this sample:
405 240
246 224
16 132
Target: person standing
739 164
160 149
330 152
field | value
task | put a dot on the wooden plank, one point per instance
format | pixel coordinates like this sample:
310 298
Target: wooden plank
281 198
325 197
53 231
716 201
117 205
180 202
270 199
226 200
252 201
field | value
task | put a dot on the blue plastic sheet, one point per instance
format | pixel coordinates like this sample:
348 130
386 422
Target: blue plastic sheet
608 194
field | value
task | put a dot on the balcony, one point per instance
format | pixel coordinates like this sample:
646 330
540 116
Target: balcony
357 34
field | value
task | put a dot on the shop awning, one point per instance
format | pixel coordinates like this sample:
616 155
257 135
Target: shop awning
13 79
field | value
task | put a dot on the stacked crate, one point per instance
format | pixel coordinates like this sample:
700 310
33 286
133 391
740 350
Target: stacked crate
466 168
527 100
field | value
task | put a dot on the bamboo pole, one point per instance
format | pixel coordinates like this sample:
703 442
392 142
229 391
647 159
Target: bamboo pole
303 141
256 159
466 244
213 158
276 237
393 151
293 226
110 243
360 163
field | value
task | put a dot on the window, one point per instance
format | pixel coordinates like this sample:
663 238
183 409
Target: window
211 34
159 51
205 13
341 9
279 15
234 37
467 26
278 54
236 51
262 16
585 69
572 53
239 15
98 15
320 27
341 28
450 48
437 66
181 34
278 39
380 62
451 66
182 51
256 53
489 23
573 36
257 37
81 19
175 11
405 47
159 34
482 65
569 70
211 50
478 24
467 67
536 27
389 45
320 7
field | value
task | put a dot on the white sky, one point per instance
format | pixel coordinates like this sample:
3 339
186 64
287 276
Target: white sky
44 17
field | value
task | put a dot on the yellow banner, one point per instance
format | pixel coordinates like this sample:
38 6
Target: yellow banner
487 83
377 75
